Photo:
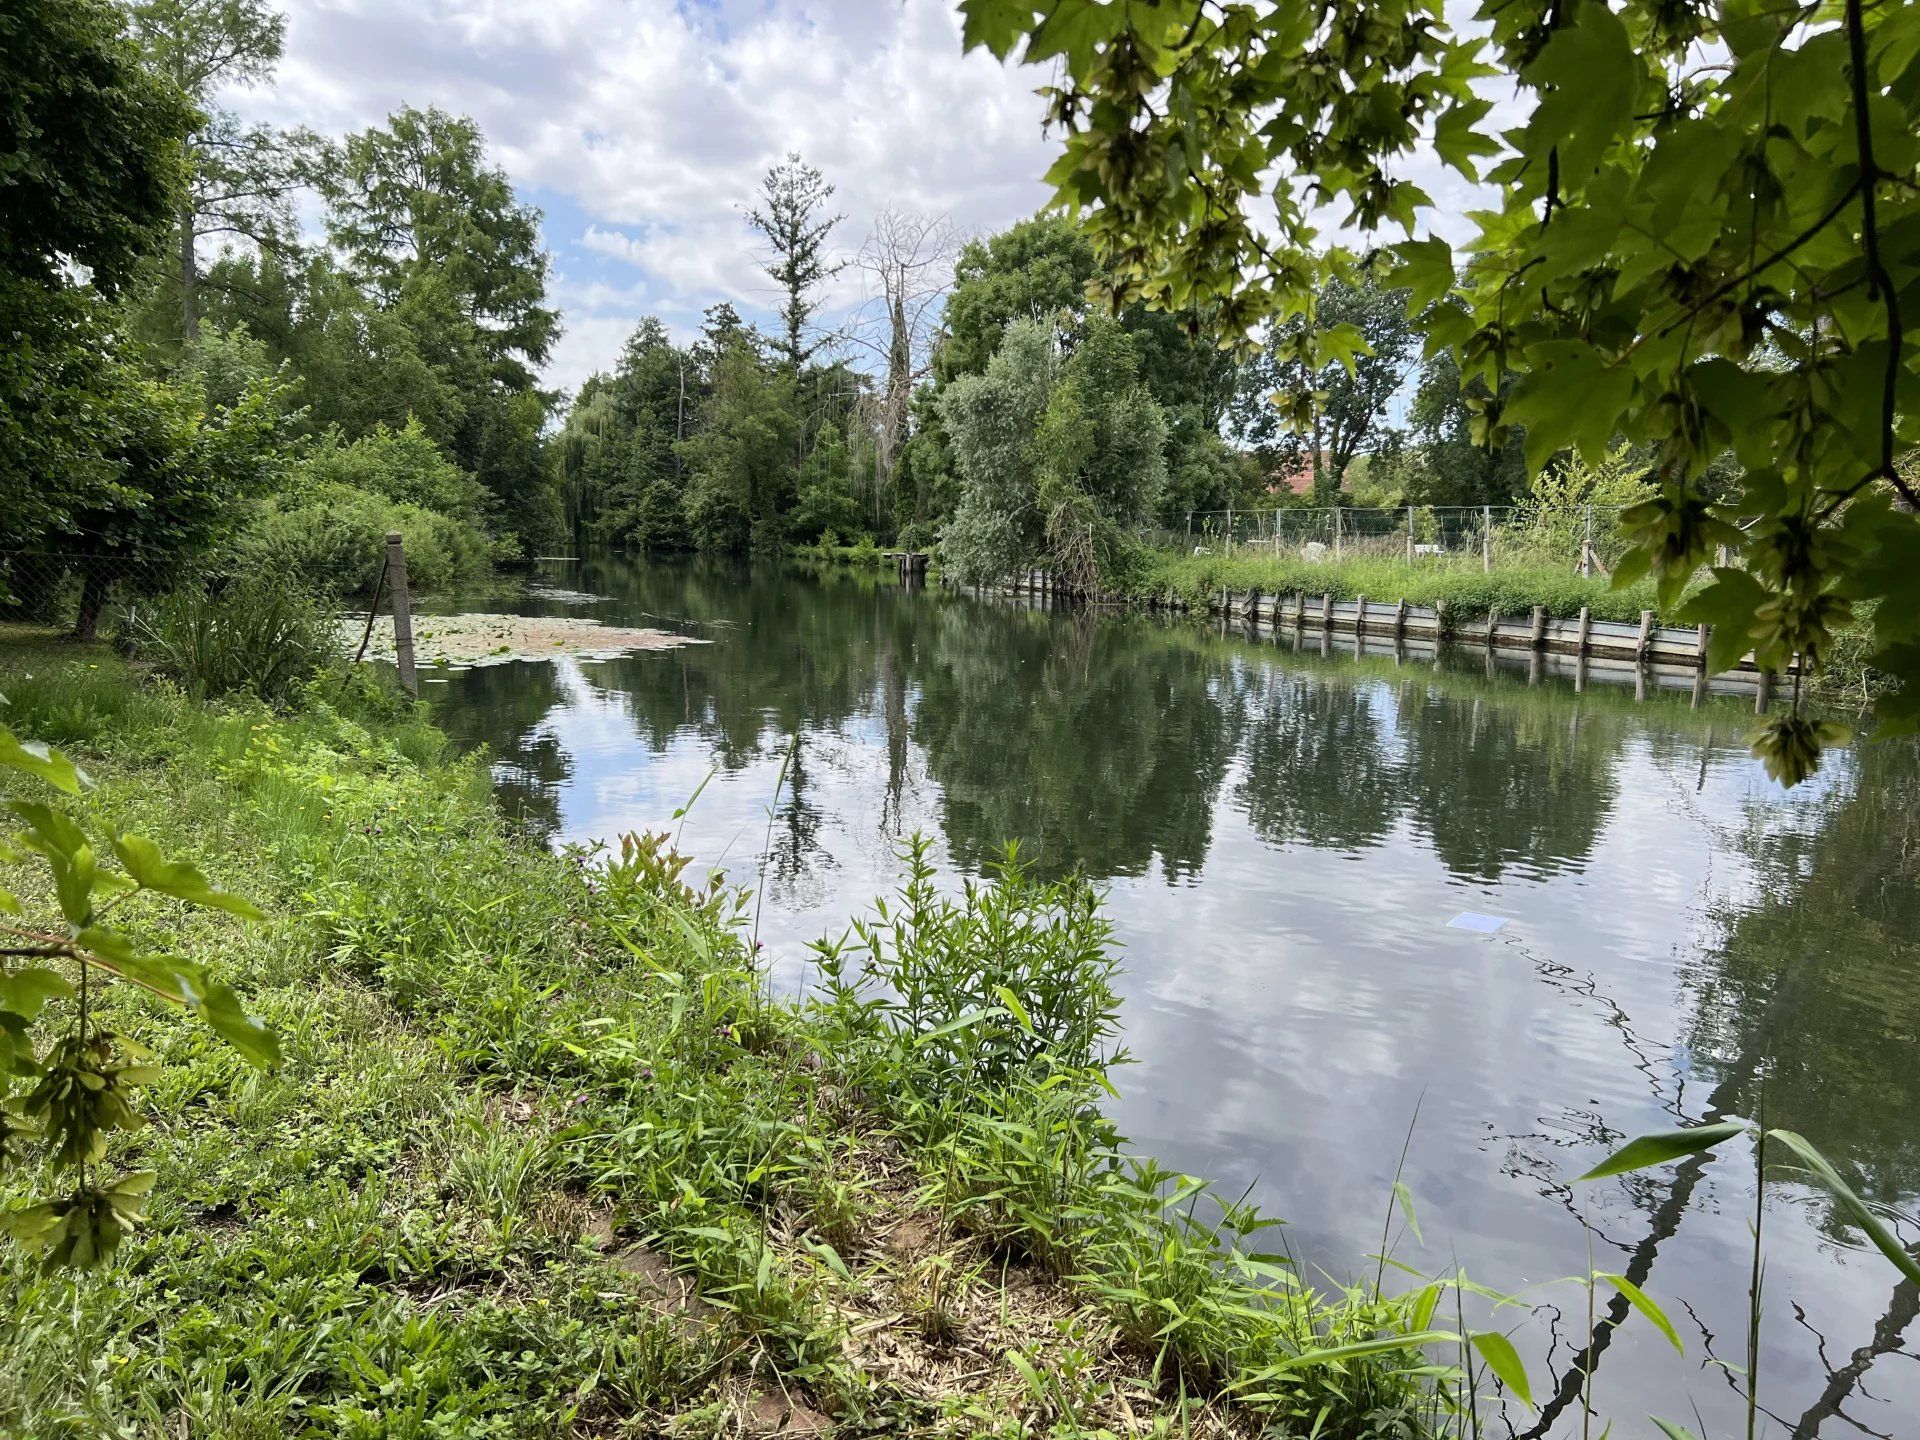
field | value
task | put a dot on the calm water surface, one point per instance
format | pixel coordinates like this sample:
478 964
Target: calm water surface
1284 837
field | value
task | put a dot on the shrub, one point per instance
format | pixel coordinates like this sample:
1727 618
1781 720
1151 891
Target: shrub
330 539
404 465
258 637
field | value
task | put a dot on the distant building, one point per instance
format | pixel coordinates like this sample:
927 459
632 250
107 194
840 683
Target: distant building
1295 476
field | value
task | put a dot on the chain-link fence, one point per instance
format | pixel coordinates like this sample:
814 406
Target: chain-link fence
1583 536
70 590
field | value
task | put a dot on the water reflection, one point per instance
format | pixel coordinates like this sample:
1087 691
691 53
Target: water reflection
1284 834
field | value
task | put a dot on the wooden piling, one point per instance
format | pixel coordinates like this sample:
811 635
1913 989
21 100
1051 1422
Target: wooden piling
1586 631
1400 621
1360 625
1539 637
1700 644
1763 695
1493 626
1646 635
1326 611
402 613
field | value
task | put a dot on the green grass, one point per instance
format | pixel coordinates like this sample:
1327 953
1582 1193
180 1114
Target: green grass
519 1086
1193 581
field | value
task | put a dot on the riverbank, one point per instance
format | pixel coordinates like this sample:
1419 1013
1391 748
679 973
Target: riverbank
545 1157
1194 582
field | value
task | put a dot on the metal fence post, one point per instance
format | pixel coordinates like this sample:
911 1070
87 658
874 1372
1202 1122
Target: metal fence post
1336 532
1586 545
1486 538
402 615
1409 534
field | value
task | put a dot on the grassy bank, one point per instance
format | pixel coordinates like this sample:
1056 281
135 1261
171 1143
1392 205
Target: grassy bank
544 1157
1194 581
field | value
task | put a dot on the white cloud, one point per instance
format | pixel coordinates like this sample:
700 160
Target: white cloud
643 126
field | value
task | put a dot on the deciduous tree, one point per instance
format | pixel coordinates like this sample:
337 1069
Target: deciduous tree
1704 234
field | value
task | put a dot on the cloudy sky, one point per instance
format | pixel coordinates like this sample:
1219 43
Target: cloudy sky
641 128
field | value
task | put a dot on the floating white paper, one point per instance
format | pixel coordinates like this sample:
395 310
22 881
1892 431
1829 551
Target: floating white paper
1481 924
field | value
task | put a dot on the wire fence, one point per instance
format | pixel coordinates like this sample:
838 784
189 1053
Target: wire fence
1585 536
74 591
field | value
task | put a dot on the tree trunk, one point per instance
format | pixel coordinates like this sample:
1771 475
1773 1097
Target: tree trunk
93 600
189 277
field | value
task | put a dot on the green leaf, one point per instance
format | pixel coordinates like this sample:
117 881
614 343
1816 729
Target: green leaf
1673 1431
1405 1197
177 878
26 992
1571 398
1012 1002
186 983
1358 1349
1504 1361
64 846
1667 1145
1861 1213
1643 1302
38 760
1593 75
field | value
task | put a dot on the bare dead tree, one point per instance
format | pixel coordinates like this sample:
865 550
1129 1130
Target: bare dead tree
906 266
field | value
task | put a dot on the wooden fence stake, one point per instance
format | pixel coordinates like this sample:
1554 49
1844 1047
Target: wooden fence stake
1586 630
1486 538
1326 611
1493 626
1539 627
1701 647
402 613
1646 634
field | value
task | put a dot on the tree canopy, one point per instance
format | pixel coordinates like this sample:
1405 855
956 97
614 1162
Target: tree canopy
1704 235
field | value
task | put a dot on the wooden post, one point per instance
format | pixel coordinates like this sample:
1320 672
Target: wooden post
1700 646
1586 630
1586 545
1326 611
1336 532
402 613
1229 529
1763 695
1409 534
1400 620
1486 538
1439 622
1493 626
1360 625
1646 635
1539 627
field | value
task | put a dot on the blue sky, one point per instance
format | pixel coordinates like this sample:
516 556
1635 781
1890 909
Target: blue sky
641 128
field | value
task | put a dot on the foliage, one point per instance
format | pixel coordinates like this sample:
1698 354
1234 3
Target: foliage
1469 593
1557 517
1701 240
792 196
88 145
66 1080
257 636
404 465
330 539
1053 453
89 171
740 462
437 236
239 179
1292 395
972 993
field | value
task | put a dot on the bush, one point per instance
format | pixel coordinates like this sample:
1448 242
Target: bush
259 637
404 465
331 539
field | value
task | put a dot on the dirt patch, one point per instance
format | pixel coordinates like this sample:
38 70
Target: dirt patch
460 642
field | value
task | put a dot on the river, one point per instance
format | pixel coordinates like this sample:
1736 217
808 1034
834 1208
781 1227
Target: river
1284 838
